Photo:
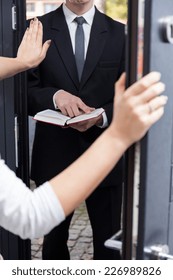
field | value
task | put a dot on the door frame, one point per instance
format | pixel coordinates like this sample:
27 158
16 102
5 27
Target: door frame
13 113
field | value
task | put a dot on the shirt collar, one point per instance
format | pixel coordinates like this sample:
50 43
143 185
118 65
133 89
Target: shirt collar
70 16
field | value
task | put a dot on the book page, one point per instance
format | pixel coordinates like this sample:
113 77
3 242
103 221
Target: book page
55 117
84 117
51 116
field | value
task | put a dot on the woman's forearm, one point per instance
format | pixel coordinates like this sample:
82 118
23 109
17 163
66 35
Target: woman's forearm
10 66
131 120
77 181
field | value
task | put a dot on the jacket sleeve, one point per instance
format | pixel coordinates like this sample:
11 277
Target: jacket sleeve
39 97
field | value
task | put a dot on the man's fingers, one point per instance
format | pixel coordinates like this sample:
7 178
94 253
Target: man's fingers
63 111
76 110
70 111
86 109
73 105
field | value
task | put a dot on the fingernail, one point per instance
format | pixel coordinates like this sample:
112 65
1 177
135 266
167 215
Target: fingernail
165 97
162 86
157 74
49 42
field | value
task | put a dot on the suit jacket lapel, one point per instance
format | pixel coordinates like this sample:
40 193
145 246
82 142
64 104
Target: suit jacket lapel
96 44
63 43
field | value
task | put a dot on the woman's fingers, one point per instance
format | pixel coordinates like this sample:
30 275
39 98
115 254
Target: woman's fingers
152 92
146 109
144 83
30 30
35 27
155 116
40 33
45 48
156 103
120 84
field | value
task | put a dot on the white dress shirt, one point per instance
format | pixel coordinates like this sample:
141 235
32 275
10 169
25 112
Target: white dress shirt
72 25
26 213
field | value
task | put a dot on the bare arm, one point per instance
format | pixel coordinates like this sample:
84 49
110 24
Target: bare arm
36 213
30 53
131 121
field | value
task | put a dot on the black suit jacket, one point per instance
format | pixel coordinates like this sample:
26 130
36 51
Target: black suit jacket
54 147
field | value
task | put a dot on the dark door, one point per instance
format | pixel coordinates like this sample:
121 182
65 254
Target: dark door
148 226
13 116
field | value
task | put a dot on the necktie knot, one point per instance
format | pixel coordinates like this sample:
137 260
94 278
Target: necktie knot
79 20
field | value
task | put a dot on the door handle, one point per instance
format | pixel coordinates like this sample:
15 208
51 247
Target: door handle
14 17
158 252
16 135
115 242
167 29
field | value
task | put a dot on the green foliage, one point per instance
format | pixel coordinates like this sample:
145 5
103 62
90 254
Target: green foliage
116 9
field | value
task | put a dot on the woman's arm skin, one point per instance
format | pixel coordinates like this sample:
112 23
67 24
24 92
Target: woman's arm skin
36 213
132 118
30 53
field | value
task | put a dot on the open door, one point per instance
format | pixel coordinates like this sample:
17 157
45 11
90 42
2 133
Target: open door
148 211
13 116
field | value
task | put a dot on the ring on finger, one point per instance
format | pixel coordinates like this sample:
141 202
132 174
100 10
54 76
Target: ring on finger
150 109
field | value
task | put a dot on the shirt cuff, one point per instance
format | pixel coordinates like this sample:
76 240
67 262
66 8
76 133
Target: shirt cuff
54 102
105 121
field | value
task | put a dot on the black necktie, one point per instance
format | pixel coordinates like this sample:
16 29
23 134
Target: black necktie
79 45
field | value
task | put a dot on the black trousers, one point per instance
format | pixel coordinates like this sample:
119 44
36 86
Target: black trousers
104 209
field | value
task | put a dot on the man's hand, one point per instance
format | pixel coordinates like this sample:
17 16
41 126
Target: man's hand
85 125
71 105
31 51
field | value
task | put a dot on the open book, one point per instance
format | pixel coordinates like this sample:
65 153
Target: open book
57 118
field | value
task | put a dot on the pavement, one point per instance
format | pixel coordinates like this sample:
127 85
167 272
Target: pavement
80 238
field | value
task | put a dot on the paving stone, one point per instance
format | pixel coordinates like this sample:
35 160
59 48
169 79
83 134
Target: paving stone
87 257
76 254
80 238
35 247
39 255
87 232
74 236
81 222
75 231
71 243
90 250
40 241
34 242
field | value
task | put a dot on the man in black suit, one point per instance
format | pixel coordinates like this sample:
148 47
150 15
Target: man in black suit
56 84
